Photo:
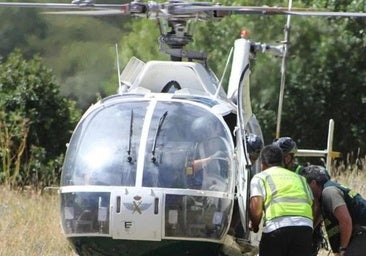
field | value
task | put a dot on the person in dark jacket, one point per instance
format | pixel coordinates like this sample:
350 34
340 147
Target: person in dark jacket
289 148
343 211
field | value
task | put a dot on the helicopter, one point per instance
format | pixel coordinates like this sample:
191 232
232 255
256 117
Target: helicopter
157 168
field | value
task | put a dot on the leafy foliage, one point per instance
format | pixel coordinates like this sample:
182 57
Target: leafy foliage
80 50
13 138
83 56
141 41
21 28
327 80
34 117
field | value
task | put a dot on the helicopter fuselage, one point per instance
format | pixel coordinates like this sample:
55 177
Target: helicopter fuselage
150 172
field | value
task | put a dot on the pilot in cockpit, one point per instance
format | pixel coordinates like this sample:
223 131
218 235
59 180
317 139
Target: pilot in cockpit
210 146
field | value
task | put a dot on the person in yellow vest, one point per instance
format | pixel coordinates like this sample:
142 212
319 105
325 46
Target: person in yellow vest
284 200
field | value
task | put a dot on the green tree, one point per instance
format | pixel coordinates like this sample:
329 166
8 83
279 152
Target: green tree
330 84
34 115
325 80
81 51
141 41
21 28
13 139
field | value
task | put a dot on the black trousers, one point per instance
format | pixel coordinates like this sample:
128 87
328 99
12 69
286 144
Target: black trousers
287 241
357 245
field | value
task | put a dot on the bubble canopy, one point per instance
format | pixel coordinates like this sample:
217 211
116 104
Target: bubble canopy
138 169
150 144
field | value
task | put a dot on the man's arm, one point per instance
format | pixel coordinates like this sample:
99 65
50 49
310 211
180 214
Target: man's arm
345 224
255 212
333 201
317 213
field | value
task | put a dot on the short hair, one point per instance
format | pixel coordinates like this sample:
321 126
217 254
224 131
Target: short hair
271 155
315 172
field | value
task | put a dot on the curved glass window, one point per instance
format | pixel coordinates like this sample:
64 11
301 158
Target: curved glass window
103 149
142 144
170 144
196 216
188 147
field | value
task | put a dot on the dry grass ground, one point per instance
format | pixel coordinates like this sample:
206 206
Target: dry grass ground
30 223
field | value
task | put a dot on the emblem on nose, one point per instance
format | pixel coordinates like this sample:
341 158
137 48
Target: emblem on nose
137 205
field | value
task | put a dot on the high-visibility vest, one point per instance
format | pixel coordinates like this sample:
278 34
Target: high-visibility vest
287 194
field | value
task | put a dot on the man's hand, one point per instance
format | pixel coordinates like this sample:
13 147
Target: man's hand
255 229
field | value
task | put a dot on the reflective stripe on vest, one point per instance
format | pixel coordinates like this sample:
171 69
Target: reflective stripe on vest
287 194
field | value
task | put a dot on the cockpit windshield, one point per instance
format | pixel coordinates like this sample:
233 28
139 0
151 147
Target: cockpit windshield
103 148
189 149
167 144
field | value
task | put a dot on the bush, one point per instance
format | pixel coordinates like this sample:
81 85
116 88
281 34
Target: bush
36 123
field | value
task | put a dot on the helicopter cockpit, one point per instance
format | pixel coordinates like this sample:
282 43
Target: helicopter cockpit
134 165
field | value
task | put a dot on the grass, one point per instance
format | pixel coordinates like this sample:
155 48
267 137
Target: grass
30 225
30 222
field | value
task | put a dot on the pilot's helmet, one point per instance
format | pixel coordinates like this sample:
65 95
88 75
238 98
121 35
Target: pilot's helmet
315 172
254 145
287 144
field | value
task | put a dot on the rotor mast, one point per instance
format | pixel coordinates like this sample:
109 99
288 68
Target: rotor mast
176 20
173 42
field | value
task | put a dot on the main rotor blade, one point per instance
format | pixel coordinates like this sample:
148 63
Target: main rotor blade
328 14
83 8
38 5
102 12
60 6
182 9
264 10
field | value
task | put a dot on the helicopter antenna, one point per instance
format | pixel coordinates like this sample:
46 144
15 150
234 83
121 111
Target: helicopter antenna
283 70
118 68
223 74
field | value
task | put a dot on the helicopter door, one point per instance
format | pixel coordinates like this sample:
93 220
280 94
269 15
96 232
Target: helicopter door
136 214
244 115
